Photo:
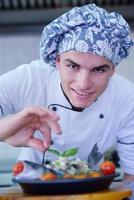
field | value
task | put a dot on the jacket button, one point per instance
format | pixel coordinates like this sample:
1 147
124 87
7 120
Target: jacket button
54 108
101 116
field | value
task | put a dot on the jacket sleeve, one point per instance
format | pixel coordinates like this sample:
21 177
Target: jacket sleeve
125 140
22 87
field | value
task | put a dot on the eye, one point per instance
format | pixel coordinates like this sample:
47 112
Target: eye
100 69
72 66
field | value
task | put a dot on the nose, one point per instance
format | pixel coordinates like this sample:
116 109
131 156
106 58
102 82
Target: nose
84 80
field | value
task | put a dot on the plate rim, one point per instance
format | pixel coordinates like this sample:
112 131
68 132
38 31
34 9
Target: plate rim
65 181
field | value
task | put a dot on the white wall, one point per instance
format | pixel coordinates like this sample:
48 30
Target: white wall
16 49
126 67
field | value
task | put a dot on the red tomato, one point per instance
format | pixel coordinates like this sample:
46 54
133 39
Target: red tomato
18 168
107 167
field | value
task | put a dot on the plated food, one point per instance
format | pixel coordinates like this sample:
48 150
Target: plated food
63 168
66 175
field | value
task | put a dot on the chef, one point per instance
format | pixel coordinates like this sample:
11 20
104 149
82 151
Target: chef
72 96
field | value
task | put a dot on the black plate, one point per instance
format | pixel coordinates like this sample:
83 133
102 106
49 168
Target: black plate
66 186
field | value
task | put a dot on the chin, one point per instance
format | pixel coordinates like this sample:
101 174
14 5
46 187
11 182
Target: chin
81 104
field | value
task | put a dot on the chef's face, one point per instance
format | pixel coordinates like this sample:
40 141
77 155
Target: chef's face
84 76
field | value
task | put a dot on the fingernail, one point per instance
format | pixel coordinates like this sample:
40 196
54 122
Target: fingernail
46 145
52 142
60 132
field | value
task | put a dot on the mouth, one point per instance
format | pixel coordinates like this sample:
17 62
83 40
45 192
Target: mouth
82 94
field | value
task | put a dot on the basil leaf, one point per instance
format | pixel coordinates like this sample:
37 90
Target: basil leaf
70 152
54 151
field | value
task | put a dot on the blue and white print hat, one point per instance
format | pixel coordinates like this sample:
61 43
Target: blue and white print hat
87 29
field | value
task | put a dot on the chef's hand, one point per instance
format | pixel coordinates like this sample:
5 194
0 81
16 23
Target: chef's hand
19 129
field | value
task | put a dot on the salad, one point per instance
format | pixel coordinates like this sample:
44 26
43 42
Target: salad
65 167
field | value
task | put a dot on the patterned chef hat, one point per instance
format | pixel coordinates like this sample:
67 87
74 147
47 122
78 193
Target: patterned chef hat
88 29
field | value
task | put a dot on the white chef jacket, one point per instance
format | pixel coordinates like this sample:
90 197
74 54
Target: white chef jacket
109 120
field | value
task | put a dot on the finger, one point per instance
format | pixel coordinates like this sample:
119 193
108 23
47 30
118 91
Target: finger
44 115
52 115
46 131
44 112
32 114
36 143
53 125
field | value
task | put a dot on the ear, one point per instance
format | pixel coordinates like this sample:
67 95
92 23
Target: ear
112 70
57 61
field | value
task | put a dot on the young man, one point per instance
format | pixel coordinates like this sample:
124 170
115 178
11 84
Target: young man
76 79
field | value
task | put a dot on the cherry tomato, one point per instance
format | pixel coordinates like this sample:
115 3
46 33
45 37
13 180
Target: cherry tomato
107 167
18 168
48 176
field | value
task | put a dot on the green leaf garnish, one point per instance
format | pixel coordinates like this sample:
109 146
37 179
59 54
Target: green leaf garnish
66 153
54 151
70 152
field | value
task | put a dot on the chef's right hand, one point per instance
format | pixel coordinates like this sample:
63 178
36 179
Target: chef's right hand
19 129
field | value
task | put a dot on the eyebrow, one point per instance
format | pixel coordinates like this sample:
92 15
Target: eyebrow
105 65
74 63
